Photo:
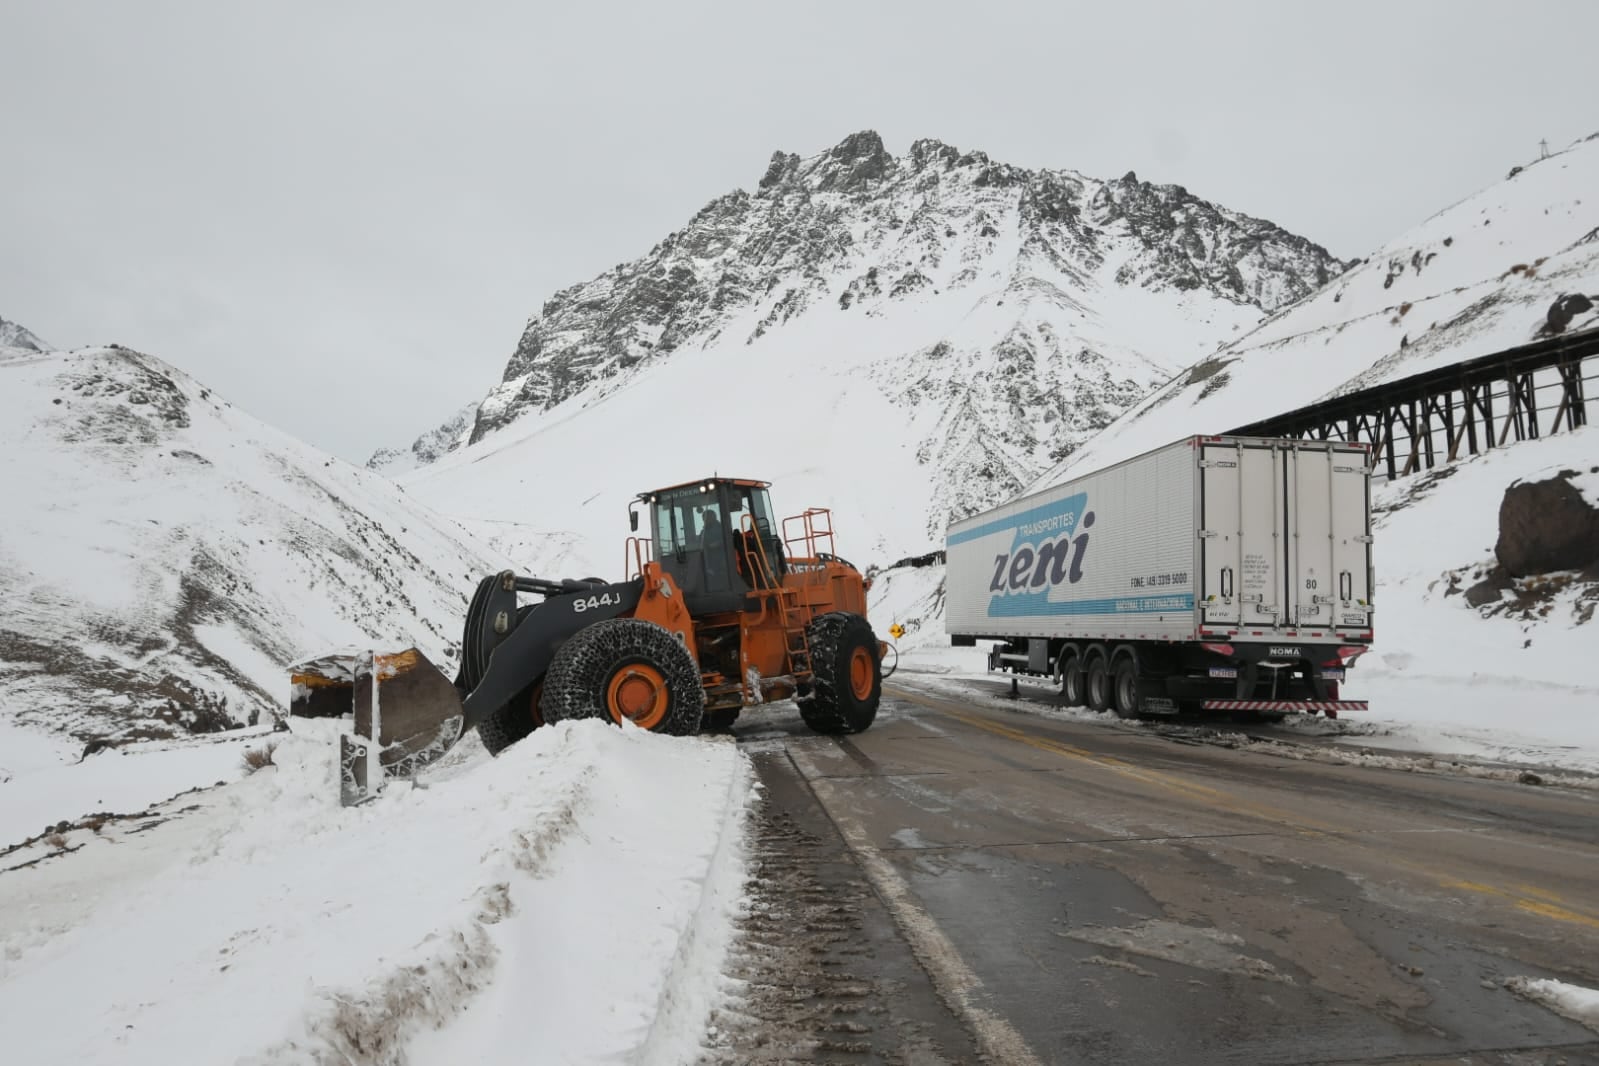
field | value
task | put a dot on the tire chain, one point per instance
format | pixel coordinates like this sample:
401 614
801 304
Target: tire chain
825 635
573 685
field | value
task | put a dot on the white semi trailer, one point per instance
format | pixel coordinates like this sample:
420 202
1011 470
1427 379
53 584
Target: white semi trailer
1224 573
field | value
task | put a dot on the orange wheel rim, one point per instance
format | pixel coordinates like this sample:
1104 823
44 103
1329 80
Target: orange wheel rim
637 692
861 671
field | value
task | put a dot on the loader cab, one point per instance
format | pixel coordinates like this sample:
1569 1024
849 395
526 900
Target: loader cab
718 541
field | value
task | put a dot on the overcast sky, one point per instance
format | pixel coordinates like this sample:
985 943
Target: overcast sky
340 215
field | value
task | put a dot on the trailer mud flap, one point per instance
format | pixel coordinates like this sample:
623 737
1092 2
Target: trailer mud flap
406 714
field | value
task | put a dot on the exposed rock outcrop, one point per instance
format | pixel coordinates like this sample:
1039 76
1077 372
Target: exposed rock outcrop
1545 527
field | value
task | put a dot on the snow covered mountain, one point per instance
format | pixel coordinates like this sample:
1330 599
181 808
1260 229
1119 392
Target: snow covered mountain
1516 262
165 555
437 442
939 321
15 336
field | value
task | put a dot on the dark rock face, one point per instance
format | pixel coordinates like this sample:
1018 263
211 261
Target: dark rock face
1545 527
1490 589
854 224
1563 310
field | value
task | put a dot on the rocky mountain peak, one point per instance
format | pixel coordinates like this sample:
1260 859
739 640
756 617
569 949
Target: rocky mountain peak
848 166
932 152
1075 294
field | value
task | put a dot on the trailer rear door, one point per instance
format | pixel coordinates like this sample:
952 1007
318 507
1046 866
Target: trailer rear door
1331 547
1242 539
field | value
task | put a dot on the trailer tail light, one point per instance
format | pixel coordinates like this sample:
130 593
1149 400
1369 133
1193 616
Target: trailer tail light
1219 649
1346 655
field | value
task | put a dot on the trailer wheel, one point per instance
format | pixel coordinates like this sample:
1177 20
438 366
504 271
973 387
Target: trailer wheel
1098 685
625 668
1128 700
1073 682
847 682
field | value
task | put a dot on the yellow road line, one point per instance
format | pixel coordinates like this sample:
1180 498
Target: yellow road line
1541 906
1530 899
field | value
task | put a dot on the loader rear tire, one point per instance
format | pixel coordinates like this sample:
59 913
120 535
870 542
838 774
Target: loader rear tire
625 668
848 683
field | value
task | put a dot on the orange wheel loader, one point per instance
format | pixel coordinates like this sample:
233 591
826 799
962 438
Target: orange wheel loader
720 610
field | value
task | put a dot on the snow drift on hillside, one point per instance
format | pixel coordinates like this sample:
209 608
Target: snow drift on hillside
1514 684
903 339
543 906
1476 278
15 336
165 555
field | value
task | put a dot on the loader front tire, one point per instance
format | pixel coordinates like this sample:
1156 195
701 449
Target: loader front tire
625 669
847 683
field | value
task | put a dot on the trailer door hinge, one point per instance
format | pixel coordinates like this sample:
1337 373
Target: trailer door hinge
1208 533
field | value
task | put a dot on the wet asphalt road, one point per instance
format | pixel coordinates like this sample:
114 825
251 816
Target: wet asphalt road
986 885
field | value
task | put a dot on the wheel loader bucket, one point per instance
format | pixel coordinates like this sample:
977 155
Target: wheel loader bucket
406 713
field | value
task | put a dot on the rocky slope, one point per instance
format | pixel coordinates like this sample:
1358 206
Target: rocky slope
1514 263
165 555
981 317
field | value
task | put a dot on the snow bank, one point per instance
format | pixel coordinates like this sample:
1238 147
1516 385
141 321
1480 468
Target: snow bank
570 900
1572 1001
53 782
1443 677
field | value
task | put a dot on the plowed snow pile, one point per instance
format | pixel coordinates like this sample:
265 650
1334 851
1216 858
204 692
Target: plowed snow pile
569 901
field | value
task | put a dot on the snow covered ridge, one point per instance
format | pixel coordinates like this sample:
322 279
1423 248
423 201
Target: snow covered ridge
1478 277
551 903
854 228
428 447
939 327
164 555
15 336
